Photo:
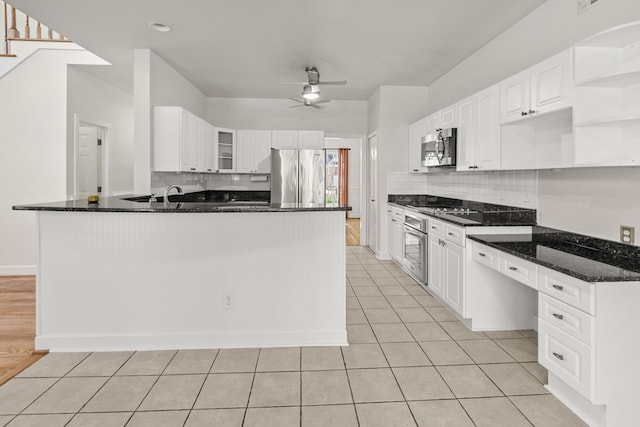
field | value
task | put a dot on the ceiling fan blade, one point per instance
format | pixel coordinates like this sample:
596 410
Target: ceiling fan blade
317 107
296 106
323 101
334 83
297 100
295 83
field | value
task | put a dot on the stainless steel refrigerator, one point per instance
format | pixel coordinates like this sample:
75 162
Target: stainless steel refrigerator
298 177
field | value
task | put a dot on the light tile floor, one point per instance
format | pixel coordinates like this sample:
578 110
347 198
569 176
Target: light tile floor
410 362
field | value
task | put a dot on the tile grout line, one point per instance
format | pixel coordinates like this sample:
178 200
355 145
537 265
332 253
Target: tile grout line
206 377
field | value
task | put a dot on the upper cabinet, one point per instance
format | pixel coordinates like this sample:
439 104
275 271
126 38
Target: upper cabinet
478 126
416 131
253 151
310 139
448 117
294 139
226 144
433 123
545 87
182 142
606 110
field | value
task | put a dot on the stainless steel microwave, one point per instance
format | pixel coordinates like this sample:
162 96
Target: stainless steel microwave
439 148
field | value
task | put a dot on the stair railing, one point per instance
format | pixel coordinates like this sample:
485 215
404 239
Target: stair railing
14 19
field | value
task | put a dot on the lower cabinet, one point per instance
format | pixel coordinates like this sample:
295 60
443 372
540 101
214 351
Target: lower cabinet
396 228
446 264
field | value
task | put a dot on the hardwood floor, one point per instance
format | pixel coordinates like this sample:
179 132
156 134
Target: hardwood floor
353 231
17 325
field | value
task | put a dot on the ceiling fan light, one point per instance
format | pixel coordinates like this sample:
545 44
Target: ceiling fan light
311 92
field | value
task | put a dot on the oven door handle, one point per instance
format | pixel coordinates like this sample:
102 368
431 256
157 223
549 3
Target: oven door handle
409 230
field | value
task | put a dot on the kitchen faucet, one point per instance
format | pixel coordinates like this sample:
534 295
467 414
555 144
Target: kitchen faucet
169 188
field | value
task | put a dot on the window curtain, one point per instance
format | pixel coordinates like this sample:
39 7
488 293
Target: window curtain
343 176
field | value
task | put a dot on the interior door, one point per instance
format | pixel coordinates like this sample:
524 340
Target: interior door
372 216
87 167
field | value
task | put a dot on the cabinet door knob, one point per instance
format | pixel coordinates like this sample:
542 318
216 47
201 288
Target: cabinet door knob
558 356
193 169
449 234
482 254
523 113
415 170
532 111
558 287
512 268
558 316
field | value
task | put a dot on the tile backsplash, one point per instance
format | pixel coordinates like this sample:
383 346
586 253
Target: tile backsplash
197 182
512 188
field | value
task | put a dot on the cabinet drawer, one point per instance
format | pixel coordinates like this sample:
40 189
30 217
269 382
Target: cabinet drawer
574 292
518 269
566 357
566 318
486 255
397 214
454 234
436 227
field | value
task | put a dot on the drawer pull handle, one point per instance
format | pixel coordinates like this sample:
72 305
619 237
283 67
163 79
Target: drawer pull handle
558 316
450 234
512 268
558 356
482 254
558 287
432 227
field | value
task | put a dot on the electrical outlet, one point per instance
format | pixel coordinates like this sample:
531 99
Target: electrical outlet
228 301
584 5
627 234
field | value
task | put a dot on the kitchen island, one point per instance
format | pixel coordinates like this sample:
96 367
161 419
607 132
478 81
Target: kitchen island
127 275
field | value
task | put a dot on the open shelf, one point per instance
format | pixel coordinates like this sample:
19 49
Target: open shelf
611 122
617 80
623 35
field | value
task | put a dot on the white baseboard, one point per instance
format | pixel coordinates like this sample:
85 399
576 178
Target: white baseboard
17 270
74 343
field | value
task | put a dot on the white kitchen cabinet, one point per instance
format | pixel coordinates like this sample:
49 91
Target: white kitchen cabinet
226 145
253 151
446 263
435 258
453 272
545 87
284 139
417 130
448 117
467 111
396 228
433 122
297 139
310 139
182 142
479 131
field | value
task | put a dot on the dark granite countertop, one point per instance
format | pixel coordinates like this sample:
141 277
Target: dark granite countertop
197 202
484 215
586 258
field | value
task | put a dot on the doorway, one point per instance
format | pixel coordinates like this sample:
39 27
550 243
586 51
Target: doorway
354 145
372 216
90 158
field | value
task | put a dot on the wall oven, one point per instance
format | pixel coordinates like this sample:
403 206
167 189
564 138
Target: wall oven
415 242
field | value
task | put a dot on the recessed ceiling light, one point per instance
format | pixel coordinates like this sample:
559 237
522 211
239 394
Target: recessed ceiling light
159 26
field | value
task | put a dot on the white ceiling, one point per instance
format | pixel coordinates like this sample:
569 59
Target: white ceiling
247 48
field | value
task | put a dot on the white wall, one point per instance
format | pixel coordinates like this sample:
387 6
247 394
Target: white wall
394 108
552 27
255 113
155 82
354 185
33 147
590 201
93 99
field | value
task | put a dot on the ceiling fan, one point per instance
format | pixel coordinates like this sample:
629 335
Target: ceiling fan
311 89
308 103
